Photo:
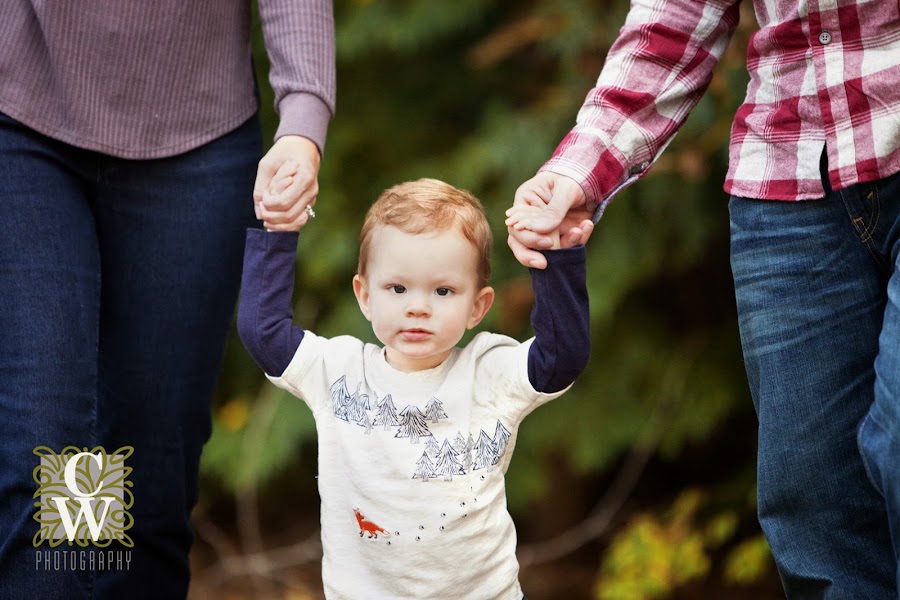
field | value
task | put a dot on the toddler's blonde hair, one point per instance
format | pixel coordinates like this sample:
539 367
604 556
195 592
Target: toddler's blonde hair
430 205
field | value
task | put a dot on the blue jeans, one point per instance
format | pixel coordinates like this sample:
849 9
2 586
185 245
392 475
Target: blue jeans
818 295
118 280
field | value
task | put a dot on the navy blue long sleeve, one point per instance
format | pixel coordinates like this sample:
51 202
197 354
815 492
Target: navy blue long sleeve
560 316
265 315
560 319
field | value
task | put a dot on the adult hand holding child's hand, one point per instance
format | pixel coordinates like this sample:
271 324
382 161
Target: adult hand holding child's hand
287 183
561 220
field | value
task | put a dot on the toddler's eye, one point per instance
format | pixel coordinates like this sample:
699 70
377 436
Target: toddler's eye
397 289
442 291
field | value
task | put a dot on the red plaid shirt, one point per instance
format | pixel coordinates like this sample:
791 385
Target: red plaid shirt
822 73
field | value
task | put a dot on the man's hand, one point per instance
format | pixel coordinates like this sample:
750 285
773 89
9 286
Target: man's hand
284 208
563 211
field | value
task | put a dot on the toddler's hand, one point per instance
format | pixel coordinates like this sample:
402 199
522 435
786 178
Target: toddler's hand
519 218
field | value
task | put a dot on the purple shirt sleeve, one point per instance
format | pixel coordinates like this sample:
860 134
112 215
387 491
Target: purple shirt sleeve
265 315
142 80
561 321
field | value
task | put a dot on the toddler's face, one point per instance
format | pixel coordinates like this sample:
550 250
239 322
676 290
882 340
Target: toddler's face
421 294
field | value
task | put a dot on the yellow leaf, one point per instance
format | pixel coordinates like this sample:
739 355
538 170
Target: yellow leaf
234 414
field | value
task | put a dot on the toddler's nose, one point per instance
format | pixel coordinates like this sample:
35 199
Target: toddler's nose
418 306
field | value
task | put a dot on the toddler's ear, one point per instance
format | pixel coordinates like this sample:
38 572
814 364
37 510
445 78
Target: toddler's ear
483 301
361 291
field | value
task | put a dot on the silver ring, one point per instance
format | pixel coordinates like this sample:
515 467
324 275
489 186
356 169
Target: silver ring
310 212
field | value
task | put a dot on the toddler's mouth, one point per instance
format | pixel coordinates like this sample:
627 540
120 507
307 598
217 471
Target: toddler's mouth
415 335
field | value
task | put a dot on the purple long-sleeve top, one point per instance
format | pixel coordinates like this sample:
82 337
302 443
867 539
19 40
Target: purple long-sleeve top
560 319
140 80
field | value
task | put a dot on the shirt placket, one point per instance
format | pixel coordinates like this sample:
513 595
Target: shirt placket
827 60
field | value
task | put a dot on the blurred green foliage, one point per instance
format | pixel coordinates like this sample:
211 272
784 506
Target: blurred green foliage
478 93
654 554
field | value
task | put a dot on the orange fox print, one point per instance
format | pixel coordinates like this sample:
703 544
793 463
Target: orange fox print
369 527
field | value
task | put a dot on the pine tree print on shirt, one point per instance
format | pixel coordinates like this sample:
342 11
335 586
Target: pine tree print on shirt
485 453
413 424
488 450
447 464
340 398
424 468
444 460
434 410
357 406
501 439
464 450
387 413
432 448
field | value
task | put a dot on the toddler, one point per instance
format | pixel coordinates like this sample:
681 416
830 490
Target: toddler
415 435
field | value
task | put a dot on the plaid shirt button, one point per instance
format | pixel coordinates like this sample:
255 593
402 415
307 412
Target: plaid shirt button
824 38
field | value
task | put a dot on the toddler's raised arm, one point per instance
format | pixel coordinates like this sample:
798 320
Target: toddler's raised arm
560 319
265 315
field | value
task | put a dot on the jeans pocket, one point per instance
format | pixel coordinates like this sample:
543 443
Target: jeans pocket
871 441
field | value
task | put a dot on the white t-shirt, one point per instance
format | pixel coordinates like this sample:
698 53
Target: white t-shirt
412 465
